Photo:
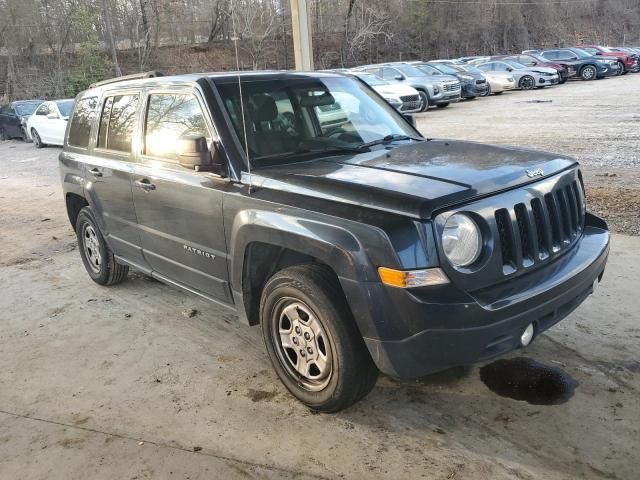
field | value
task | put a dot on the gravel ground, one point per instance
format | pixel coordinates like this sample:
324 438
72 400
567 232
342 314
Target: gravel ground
596 122
142 381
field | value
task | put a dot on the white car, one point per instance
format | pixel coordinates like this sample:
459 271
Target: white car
48 123
403 98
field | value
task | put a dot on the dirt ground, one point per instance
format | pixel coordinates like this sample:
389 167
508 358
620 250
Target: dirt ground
124 383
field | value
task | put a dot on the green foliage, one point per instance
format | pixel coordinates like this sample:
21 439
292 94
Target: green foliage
92 64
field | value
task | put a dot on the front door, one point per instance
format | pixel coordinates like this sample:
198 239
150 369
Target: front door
109 171
179 210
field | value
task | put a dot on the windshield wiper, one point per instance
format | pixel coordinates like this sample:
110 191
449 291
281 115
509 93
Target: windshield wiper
314 151
390 138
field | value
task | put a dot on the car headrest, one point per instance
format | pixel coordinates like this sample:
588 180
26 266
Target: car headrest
265 108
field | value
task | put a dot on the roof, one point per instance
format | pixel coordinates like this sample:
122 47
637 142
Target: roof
194 77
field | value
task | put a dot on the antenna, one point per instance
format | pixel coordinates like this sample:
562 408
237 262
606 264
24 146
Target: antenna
244 125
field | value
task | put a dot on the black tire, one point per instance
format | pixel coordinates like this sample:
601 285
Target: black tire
588 73
37 141
443 105
23 134
315 289
527 82
108 271
425 100
3 134
622 70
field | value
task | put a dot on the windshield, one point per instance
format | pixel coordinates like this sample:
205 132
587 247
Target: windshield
514 64
450 70
370 79
24 109
470 69
428 69
581 53
410 70
65 107
287 120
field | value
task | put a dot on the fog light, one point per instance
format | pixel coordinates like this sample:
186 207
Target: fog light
527 335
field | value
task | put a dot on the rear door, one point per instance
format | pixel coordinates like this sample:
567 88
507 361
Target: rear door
108 173
179 210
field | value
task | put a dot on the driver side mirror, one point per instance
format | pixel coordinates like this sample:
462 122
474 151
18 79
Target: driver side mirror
194 154
52 116
509 69
399 77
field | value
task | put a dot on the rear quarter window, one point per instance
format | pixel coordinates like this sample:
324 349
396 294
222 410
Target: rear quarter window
80 128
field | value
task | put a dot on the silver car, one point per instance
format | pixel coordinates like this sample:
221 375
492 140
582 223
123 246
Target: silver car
433 90
526 78
403 98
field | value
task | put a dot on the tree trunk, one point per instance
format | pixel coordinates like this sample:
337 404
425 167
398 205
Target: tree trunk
110 40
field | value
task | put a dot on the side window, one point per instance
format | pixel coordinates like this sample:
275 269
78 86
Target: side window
170 117
80 127
117 122
562 55
43 109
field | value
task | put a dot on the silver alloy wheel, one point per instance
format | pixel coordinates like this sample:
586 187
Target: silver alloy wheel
527 82
588 72
36 138
303 346
91 246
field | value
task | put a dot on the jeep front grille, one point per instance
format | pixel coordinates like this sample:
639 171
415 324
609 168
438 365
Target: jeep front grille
531 231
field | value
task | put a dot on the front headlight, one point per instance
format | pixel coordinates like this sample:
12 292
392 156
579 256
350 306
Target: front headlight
393 100
461 240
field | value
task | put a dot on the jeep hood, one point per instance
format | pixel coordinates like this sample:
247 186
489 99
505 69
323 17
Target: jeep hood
413 179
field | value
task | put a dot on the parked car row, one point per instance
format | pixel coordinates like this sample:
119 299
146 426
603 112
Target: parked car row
42 122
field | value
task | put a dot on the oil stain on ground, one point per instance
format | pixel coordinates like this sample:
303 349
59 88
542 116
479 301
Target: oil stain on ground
527 380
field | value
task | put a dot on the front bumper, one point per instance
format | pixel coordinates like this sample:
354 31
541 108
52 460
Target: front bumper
491 323
547 81
470 90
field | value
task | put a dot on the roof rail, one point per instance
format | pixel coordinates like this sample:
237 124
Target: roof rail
134 76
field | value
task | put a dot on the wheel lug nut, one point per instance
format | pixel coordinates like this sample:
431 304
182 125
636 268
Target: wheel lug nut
307 336
295 341
302 354
310 350
298 330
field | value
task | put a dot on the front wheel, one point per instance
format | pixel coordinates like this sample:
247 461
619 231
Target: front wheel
588 73
97 257
312 340
425 101
621 68
527 82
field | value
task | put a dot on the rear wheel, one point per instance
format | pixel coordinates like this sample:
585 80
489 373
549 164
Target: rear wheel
97 257
527 82
588 72
37 141
312 340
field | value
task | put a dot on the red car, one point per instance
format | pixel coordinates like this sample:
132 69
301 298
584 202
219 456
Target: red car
626 62
533 60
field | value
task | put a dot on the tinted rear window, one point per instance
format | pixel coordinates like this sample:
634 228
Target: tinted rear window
80 127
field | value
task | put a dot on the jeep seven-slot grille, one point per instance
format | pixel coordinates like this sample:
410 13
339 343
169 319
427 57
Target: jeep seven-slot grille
532 231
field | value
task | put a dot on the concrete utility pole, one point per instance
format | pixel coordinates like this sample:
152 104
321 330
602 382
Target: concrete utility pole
301 23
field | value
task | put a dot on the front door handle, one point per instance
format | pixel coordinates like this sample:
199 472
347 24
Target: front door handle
145 184
95 172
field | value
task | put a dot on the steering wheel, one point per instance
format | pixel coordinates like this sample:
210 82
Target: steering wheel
333 131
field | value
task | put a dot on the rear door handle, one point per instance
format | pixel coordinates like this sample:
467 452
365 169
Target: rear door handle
145 184
95 172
